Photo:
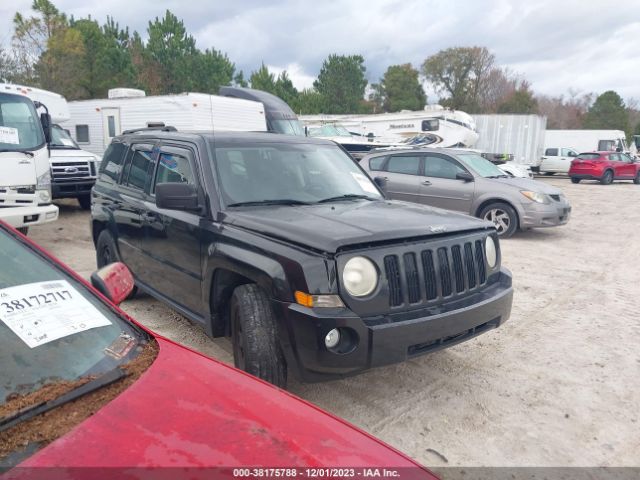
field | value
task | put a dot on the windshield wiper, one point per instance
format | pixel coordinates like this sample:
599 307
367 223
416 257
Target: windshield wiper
349 196
26 152
279 201
498 176
34 410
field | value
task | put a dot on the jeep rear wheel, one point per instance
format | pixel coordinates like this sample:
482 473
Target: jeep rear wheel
255 340
503 216
607 178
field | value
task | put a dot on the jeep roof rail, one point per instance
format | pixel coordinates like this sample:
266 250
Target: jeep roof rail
168 128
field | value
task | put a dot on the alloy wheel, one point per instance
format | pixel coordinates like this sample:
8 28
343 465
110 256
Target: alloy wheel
499 218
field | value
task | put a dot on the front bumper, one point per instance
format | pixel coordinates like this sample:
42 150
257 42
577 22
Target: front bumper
28 216
387 339
72 189
545 215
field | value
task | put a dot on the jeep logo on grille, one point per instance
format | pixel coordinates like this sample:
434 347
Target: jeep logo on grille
71 170
438 229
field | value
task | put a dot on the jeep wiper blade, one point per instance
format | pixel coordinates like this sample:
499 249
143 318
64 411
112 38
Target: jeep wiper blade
35 410
349 196
278 201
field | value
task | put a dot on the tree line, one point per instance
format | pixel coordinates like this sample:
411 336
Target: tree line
82 59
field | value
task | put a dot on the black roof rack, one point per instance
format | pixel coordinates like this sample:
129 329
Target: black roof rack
151 129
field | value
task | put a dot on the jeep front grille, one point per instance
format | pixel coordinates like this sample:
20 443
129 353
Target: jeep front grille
446 271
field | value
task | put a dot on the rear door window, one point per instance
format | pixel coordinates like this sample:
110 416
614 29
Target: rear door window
551 152
407 164
136 169
111 165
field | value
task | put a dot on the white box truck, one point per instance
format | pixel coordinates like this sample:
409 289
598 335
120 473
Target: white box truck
25 172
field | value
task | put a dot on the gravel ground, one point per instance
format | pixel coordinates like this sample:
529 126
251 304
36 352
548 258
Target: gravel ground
557 385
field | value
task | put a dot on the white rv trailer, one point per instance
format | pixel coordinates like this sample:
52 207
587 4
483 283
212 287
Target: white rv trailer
94 123
25 173
437 126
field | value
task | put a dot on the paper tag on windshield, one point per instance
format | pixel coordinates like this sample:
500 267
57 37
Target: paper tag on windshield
41 312
364 182
9 135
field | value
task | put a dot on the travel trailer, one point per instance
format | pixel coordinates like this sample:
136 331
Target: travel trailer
25 175
433 126
94 123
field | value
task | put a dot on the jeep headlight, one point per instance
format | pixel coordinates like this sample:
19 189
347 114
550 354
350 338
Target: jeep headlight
535 196
360 276
491 251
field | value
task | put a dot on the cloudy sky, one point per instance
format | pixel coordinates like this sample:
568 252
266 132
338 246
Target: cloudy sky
583 45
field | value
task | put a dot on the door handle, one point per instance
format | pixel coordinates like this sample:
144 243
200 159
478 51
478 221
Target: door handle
426 182
150 216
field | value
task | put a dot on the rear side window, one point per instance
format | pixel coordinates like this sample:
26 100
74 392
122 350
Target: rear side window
551 152
137 167
588 156
112 161
376 163
174 168
409 165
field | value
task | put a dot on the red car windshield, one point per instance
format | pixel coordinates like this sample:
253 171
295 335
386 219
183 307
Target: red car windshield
53 331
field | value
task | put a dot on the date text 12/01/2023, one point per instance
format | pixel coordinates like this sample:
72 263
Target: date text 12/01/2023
321 473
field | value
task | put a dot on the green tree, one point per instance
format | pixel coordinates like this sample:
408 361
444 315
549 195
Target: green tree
147 71
263 79
9 70
211 69
520 101
286 90
309 102
400 89
239 81
461 73
342 83
174 50
607 112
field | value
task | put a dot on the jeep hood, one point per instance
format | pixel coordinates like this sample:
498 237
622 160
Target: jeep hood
331 226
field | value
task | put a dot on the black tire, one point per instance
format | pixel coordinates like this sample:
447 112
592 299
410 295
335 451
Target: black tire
607 177
107 252
575 180
549 173
85 202
23 230
503 216
254 336
637 179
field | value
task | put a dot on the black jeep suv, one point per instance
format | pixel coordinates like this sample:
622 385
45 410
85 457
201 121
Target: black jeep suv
286 245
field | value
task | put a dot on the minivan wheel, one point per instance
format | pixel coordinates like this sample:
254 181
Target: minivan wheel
503 216
607 178
107 253
575 180
85 202
255 340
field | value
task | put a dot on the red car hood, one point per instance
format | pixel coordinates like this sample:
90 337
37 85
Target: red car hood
187 410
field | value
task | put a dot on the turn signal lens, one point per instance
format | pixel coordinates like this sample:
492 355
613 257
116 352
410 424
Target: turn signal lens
318 301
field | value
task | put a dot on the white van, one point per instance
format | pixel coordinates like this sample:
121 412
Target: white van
557 160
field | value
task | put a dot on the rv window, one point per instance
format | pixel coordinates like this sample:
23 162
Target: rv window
111 120
111 164
136 167
404 164
376 163
430 125
551 152
82 133
173 169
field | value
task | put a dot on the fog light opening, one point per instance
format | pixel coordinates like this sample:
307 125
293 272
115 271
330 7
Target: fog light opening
341 340
332 338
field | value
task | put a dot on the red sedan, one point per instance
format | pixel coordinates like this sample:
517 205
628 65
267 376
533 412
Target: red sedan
604 167
83 385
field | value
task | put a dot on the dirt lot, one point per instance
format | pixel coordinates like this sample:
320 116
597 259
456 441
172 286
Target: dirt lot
557 385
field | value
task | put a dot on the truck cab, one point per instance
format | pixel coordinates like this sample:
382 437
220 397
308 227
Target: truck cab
557 160
25 176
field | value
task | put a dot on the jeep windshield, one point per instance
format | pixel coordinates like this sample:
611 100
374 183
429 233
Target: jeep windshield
20 128
61 140
289 174
55 338
481 165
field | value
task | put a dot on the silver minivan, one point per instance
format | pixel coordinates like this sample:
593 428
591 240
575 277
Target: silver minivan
464 181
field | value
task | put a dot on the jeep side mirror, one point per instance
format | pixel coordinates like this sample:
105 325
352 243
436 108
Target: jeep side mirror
45 120
177 196
466 176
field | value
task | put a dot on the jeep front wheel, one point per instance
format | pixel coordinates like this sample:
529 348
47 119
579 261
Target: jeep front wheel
255 341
